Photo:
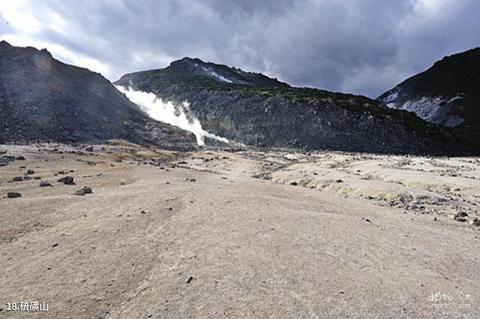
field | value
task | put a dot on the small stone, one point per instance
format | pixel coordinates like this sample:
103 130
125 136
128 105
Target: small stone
37 177
13 195
474 222
17 179
461 219
30 172
44 184
20 158
89 149
462 214
84 191
339 181
143 212
367 220
55 245
293 183
67 180
452 216
189 280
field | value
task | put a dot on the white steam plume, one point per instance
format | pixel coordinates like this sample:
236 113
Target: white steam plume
168 112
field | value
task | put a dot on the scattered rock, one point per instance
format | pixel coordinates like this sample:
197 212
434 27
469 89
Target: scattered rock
44 184
20 158
459 217
37 177
474 222
13 195
84 191
452 216
17 179
89 149
67 180
30 172
264 175
26 178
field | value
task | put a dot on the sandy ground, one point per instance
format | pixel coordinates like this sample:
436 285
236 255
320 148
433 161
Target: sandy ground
239 235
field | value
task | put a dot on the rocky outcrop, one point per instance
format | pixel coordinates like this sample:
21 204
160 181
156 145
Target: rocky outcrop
256 110
447 94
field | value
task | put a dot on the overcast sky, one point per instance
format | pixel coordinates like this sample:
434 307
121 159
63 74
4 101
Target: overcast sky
358 46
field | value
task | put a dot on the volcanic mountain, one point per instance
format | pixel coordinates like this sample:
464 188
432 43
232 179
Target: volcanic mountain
254 109
44 99
447 94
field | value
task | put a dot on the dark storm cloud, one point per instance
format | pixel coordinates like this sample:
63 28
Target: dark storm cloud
359 46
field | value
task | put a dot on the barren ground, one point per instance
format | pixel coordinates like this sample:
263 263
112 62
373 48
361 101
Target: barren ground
250 234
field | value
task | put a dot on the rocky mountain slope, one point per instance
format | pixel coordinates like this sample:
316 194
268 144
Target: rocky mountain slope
42 98
256 110
448 94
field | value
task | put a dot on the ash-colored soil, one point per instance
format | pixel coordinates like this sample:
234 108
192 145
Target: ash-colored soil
239 235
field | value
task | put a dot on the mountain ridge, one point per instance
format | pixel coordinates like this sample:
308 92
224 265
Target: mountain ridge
447 93
275 114
42 98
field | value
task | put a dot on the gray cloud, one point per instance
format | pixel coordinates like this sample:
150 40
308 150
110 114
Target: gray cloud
359 46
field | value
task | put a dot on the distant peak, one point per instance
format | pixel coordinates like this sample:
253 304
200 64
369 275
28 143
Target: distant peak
192 59
187 60
4 43
45 52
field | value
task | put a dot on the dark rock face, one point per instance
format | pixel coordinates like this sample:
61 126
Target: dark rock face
448 94
256 110
42 98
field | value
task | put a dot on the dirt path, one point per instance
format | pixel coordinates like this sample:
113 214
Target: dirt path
220 244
